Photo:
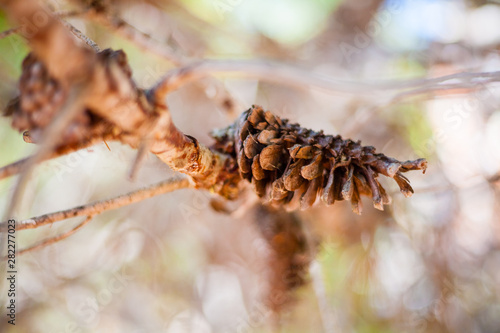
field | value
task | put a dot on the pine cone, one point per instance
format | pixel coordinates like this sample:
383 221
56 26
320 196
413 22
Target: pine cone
292 166
41 96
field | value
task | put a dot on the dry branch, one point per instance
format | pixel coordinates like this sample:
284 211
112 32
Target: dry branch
303 78
83 37
52 240
142 119
98 207
16 167
111 94
9 32
129 32
223 98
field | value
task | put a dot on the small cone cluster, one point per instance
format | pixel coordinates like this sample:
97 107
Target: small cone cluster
293 166
41 97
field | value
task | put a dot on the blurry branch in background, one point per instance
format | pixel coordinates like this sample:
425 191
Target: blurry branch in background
61 14
302 78
98 207
191 70
494 179
52 240
16 167
129 32
9 32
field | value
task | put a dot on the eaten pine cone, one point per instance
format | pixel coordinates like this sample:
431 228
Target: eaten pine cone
292 166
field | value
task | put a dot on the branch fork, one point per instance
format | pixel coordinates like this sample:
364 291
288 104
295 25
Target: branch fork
113 106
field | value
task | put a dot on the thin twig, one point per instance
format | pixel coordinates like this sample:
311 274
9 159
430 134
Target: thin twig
98 207
9 32
52 240
302 78
137 37
60 14
142 151
452 187
81 36
223 98
16 167
50 139
70 13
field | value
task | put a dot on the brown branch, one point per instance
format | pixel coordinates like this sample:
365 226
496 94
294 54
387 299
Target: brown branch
61 14
98 207
112 95
52 240
223 98
13 168
109 92
9 32
50 40
82 36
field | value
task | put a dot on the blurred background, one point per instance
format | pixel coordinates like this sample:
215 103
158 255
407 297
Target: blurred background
174 264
